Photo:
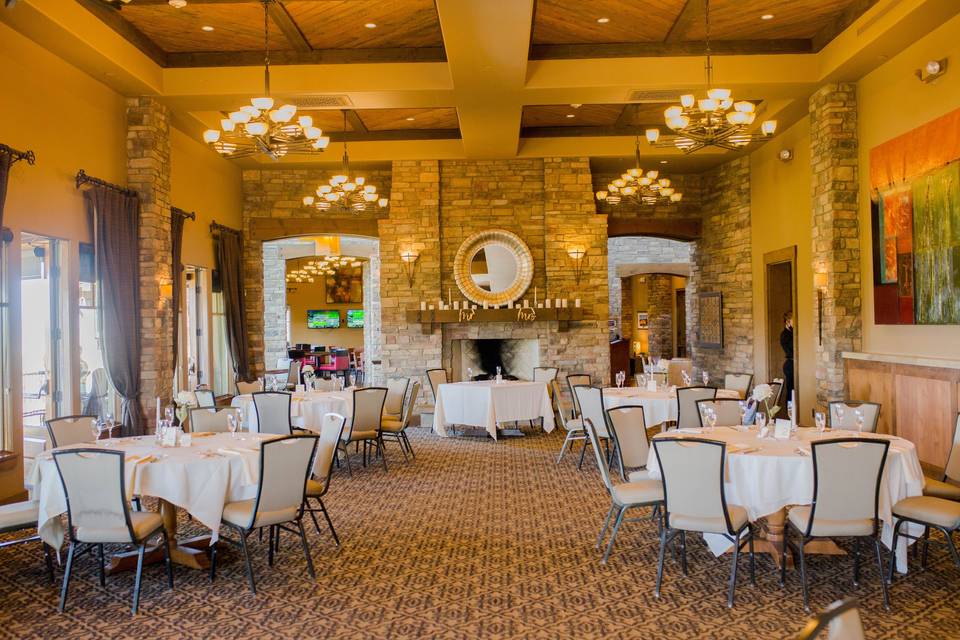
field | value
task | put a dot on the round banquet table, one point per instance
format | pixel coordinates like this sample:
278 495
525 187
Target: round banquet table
489 403
764 476
214 470
658 406
307 408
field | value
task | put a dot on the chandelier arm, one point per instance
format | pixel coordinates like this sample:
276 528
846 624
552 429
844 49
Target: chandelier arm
266 47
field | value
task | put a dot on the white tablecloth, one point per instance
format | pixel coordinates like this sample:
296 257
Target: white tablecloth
307 408
201 478
777 475
487 404
658 406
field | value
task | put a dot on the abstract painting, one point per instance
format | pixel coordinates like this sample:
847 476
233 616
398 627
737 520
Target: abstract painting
345 286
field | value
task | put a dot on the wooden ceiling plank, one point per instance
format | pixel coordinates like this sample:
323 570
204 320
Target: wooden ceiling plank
281 17
669 49
693 12
626 115
584 131
354 119
394 135
112 18
836 26
317 56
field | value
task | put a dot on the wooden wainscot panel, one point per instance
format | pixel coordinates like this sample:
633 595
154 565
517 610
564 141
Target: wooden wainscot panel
873 382
925 415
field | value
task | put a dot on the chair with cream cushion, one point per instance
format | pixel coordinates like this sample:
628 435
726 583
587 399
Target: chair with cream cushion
436 377
870 411
623 496
688 415
98 512
695 500
246 388
573 426
776 386
739 382
590 400
396 394
330 431
577 380
70 430
205 398
211 420
365 423
22 516
631 447
727 411
929 512
396 428
273 412
841 621
846 497
285 466
947 487
545 374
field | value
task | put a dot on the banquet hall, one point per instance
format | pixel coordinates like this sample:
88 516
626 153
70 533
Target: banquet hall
480 318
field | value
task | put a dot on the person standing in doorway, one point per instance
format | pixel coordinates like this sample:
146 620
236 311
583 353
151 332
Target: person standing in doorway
786 343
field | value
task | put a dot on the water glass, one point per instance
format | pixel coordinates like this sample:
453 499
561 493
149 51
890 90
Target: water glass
839 411
761 420
168 413
705 376
710 419
820 420
232 425
469 374
743 410
95 428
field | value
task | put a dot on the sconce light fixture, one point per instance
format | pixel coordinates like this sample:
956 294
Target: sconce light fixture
820 282
932 70
409 259
577 254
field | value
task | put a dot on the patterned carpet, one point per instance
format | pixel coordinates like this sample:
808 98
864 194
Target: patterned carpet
474 539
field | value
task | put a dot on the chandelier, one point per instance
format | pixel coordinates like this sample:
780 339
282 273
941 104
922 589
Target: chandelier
259 128
309 269
709 122
344 192
642 188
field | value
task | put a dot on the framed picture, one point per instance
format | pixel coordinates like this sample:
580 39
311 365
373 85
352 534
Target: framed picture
643 321
345 286
710 316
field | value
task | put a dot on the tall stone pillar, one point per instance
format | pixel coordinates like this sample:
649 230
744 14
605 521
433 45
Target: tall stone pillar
274 305
836 235
148 173
660 315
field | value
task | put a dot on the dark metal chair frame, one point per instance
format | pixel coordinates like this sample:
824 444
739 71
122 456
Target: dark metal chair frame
925 538
47 555
213 398
693 386
612 429
272 393
381 449
326 487
821 623
573 392
855 404
586 442
53 438
700 412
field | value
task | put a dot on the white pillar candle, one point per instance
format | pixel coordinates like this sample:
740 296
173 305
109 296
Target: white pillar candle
484 305
534 295
473 307
556 303
510 305
576 303
158 411
526 303
548 303
564 301
431 307
423 305
456 305
539 305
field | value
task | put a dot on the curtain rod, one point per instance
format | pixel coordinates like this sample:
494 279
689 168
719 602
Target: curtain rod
180 212
82 178
18 155
216 227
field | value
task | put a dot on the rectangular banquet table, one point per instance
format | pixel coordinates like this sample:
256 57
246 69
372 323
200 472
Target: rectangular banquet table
658 406
307 408
487 404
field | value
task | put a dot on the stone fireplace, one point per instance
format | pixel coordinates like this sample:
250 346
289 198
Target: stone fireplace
516 357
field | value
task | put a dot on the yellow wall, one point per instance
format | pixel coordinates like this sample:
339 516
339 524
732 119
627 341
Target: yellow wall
780 212
304 296
892 102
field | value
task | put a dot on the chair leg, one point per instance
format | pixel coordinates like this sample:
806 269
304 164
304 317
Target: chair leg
346 458
856 563
213 563
100 571
272 532
326 515
883 583
753 558
66 577
660 559
733 572
409 447
563 449
893 550
316 524
926 546
613 534
138 579
951 546
402 449
783 556
583 453
383 451
606 523
306 549
167 559
803 575
48 558
246 558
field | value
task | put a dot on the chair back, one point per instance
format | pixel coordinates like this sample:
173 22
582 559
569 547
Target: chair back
841 621
246 388
211 419
436 377
293 373
545 374
93 483
367 409
326 384
692 471
273 412
591 430
205 398
628 428
411 403
739 382
870 410
575 380
727 410
688 415
777 388
284 470
590 400
846 479
70 430
331 429
559 409
396 393
951 470
675 369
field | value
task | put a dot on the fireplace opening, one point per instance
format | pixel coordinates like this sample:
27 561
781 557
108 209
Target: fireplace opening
481 357
490 356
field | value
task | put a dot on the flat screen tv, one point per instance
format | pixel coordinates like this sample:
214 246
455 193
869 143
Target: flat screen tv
355 318
323 319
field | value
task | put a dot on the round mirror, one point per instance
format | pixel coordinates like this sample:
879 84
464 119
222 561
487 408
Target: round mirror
493 267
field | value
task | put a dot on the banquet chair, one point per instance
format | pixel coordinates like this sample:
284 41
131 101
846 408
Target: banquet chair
331 428
573 426
70 430
739 382
675 368
846 497
688 415
22 516
396 428
545 374
727 410
396 394
98 513
948 486
436 377
246 388
631 447
326 384
575 380
285 466
205 398
365 424
590 400
840 620
695 500
213 420
293 375
929 512
273 412
870 410
624 496
777 387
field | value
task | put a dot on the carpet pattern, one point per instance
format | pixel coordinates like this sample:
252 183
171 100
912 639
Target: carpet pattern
473 539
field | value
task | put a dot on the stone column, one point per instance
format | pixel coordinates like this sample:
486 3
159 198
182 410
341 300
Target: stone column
660 312
274 305
372 336
148 173
626 307
836 235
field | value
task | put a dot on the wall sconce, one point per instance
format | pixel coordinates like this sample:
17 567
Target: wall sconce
577 254
932 70
820 282
409 259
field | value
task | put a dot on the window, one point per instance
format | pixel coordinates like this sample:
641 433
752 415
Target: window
5 398
194 344
222 379
95 393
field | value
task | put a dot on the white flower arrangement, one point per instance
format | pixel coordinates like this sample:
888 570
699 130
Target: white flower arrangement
307 368
184 400
763 393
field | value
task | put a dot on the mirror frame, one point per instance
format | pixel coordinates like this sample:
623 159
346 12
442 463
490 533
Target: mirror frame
464 258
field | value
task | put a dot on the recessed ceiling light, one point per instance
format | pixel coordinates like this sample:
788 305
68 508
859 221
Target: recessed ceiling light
371 25
603 20
664 161
570 115
767 16
410 119
207 27
177 4
576 106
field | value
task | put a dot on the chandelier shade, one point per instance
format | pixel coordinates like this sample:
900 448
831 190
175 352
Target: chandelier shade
646 188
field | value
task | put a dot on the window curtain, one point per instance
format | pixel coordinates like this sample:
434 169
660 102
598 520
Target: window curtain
6 161
229 250
116 217
177 218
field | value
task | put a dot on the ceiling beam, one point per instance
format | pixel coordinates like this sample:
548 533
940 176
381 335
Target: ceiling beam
393 135
354 118
317 56
693 11
576 132
282 18
624 118
673 228
669 49
111 17
836 26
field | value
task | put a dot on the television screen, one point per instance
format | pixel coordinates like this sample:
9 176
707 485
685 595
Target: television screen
355 318
319 319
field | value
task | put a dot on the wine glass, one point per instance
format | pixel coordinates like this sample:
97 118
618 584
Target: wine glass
838 410
469 374
858 413
761 420
743 410
710 419
621 376
820 420
232 424
95 429
109 424
168 413
706 376
498 374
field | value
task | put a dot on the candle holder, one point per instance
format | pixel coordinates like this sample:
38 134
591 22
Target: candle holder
408 258
577 254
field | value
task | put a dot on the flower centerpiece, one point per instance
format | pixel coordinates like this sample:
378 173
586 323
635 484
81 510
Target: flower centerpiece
308 375
764 393
184 401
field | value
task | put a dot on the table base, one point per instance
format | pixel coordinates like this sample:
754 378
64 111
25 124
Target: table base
772 540
191 552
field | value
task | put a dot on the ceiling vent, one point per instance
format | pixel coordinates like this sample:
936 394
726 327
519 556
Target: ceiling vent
323 101
656 95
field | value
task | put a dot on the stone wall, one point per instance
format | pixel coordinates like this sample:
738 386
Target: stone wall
660 311
721 262
836 235
274 304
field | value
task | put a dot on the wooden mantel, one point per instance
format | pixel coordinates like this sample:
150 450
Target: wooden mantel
429 319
